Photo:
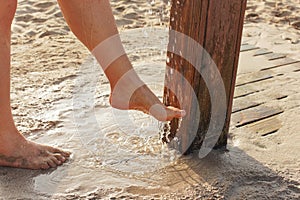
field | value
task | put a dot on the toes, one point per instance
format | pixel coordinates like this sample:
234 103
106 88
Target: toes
55 157
60 158
56 161
177 113
65 154
51 162
163 113
44 166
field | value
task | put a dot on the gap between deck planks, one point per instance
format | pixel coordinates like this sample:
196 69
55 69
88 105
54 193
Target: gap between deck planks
265 81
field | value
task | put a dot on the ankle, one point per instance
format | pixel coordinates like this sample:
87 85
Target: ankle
8 128
121 70
123 91
127 84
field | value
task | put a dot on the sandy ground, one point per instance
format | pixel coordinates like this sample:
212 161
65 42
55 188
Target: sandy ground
47 66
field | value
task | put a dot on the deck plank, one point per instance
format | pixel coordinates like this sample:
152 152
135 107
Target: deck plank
253 77
263 51
275 56
255 114
248 47
267 87
244 90
265 127
250 63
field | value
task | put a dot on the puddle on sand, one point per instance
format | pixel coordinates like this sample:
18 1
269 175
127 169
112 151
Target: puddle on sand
111 148
105 154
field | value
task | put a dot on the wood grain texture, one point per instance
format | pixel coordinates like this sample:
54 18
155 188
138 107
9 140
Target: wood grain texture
217 26
265 127
255 114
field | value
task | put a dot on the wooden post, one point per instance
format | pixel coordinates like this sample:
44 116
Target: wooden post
217 26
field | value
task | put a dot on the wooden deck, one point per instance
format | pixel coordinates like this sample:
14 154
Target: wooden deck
268 85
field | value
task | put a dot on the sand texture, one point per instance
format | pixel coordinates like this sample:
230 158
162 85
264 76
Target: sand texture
60 97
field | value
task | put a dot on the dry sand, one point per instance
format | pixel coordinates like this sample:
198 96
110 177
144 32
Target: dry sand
48 64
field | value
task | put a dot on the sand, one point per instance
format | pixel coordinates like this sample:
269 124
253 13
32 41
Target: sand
53 89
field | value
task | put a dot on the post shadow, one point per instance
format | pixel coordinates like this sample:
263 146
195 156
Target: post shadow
231 175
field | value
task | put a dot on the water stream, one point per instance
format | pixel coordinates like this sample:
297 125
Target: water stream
111 148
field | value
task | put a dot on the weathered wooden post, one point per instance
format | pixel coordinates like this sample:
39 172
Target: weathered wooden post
217 26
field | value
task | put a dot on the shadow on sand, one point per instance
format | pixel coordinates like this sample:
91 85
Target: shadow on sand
221 175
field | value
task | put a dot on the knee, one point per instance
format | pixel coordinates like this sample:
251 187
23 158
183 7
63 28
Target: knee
7 11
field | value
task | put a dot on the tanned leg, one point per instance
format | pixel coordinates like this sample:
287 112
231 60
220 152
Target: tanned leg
15 150
93 23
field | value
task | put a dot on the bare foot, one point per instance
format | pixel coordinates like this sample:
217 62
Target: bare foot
16 151
143 99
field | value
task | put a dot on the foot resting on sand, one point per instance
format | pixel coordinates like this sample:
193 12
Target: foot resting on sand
96 24
16 151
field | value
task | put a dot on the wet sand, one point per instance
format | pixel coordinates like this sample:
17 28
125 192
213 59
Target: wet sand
60 97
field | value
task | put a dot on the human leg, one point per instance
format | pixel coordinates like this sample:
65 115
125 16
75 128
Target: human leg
15 150
93 23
